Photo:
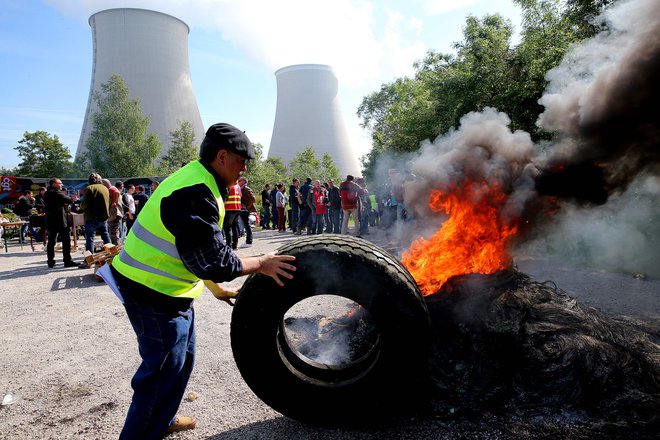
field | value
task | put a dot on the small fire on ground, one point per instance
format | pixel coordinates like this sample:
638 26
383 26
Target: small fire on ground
474 238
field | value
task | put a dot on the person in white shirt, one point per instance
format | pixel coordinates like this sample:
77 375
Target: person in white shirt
130 202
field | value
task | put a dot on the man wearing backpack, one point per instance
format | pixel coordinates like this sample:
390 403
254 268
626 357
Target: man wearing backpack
305 218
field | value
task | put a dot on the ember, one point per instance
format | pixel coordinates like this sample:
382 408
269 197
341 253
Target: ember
334 340
472 240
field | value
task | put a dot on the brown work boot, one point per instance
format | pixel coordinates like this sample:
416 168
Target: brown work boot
182 423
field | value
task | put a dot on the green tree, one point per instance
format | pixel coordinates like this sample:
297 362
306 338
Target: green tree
329 169
42 156
81 167
8 171
484 64
182 148
581 15
261 172
119 144
547 35
275 171
305 164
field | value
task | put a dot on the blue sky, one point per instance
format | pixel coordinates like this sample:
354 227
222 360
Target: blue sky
235 47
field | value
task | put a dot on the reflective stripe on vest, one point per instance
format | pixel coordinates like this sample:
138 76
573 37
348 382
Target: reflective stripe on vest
150 256
234 200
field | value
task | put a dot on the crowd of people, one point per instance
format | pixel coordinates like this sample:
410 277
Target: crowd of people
108 211
316 207
313 207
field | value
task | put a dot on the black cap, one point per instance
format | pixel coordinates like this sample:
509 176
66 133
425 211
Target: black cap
226 136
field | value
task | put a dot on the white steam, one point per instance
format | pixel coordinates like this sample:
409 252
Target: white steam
623 235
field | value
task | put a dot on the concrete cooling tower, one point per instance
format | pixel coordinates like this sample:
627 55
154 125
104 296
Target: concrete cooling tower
308 115
150 51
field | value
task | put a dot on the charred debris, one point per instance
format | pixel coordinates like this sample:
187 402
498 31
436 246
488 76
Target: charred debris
509 347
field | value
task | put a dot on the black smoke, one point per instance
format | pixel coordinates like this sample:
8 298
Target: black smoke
601 103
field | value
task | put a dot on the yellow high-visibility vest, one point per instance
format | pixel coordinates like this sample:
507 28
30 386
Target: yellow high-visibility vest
149 256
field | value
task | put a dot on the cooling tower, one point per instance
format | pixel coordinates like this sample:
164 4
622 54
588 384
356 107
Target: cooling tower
308 115
150 51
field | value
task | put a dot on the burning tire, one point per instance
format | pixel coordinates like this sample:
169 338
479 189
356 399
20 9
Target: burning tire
384 372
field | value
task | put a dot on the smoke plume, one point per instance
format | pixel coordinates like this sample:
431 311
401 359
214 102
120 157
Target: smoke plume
601 103
600 106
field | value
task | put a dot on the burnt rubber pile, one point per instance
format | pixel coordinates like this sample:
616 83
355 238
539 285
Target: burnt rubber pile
506 344
374 349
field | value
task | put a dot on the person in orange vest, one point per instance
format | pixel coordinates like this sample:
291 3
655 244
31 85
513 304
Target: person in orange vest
247 208
232 212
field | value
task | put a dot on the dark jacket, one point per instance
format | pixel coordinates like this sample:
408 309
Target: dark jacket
273 197
55 203
39 203
142 199
293 196
304 193
311 202
334 198
265 198
24 207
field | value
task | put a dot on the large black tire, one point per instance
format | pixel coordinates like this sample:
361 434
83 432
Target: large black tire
389 383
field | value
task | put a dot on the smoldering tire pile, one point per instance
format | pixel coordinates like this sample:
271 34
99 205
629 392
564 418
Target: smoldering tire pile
483 343
506 344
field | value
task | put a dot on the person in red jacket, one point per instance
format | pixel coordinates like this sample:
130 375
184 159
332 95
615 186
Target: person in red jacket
320 199
232 212
350 198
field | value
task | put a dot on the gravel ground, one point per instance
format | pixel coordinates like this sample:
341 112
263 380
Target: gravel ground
68 353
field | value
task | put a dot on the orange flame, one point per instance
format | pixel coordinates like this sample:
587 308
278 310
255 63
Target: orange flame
472 240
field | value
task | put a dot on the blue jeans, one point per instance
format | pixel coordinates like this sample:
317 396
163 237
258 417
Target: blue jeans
166 341
245 216
265 218
91 227
364 222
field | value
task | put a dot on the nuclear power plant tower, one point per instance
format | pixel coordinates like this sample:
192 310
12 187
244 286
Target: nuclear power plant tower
149 50
308 115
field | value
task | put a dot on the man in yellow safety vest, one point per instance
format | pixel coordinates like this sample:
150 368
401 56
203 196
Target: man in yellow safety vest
174 248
